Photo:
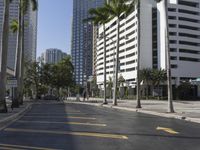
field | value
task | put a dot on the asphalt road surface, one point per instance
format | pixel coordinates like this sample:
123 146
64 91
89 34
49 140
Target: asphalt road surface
53 126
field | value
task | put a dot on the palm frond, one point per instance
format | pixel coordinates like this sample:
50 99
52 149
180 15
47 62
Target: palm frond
14 26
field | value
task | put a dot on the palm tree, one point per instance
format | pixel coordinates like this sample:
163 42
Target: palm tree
165 8
18 26
169 85
3 56
100 17
118 9
138 58
158 76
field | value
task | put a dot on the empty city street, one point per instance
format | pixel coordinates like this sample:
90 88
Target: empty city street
55 125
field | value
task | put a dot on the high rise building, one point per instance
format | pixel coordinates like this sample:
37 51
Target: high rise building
30 39
82 39
184 41
95 38
52 56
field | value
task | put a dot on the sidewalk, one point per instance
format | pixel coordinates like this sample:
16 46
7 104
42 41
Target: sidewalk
185 110
6 118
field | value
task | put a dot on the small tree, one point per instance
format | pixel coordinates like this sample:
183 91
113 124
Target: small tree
158 76
145 76
110 86
121 82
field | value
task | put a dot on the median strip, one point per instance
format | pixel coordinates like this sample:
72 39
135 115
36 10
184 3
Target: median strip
87 134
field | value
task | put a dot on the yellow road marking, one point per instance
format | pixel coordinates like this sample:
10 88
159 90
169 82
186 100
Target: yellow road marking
71 123
168 130
70 117
88 134
10 147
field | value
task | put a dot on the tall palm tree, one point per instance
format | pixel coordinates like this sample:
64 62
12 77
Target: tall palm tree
18 26
138 95
3 56
169 85
118 9
165 8
100 17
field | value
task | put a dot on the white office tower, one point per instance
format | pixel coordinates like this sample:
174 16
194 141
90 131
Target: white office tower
30 39
184 31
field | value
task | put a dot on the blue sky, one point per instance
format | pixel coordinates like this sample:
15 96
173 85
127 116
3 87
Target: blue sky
54 25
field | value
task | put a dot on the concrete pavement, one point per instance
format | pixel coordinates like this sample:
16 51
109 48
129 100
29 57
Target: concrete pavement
185 110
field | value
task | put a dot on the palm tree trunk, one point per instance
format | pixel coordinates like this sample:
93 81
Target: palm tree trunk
104 36
18 59
169 85
138 61
20 96
3 57
116 66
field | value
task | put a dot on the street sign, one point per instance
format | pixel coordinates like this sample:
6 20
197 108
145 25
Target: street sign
11 82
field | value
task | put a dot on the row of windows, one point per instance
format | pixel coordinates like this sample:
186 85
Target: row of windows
188 3
185 59
121 70
184 19
184 43
181 50
121 64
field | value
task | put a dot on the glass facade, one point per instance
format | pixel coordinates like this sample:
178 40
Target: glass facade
82 37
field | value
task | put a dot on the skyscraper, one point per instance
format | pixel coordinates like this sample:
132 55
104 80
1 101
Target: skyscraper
82 39
30 33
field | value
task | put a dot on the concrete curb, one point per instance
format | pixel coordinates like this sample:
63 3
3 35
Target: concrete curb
166 115
11 118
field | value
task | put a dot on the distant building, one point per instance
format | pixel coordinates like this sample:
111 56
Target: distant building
30 39
52 56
